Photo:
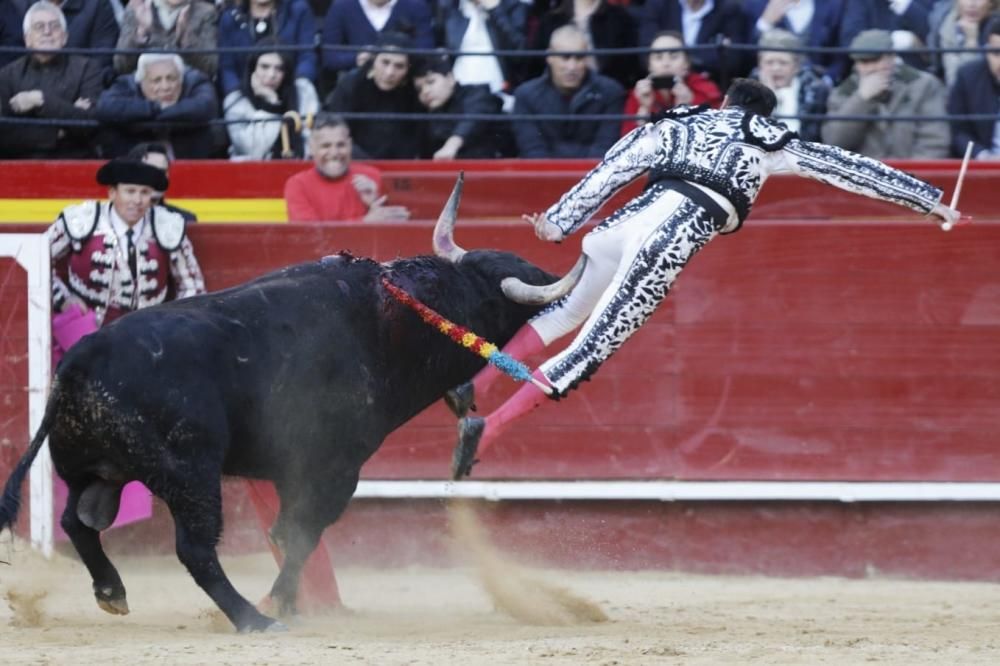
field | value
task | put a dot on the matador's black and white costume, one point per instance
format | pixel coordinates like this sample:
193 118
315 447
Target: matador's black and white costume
706 168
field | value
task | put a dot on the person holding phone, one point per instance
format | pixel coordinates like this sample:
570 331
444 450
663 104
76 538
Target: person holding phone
670 83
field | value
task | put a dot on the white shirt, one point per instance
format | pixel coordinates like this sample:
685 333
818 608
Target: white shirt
691 21
469 70
788 104
377 16
996 138
799 16
121 228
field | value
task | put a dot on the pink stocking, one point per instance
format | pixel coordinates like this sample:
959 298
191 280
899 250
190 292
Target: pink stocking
527 398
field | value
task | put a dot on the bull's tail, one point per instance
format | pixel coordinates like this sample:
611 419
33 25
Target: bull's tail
10 502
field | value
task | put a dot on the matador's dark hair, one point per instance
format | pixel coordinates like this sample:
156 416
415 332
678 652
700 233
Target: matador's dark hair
752 96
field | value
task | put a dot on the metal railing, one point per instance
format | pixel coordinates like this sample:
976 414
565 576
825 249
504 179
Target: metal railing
721 49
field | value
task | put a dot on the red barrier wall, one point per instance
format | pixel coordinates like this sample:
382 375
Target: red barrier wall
494 189
796 349
813 351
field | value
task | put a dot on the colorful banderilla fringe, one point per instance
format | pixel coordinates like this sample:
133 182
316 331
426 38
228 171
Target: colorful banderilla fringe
463 336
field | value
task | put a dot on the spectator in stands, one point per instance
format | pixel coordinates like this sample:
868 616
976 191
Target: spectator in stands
882 87
361 22
162 90
169 24
382 85
798 86
91 24
11 32
116 256
567 87
48 84
670 82
247 22
158 155
267 95
702 23
905 20
604 26
957 24
440 93
815 22
336 189
977 91
484 26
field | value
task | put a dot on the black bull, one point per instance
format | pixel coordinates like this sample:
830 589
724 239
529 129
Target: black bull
296 377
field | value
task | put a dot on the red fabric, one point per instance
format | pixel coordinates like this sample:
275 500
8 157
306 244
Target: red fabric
310 197
702 88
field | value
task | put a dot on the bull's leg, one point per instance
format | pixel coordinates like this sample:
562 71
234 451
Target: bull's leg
197 515
108 587
304 515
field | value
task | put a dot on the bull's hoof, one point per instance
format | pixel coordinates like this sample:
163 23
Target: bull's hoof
470 430
116 607
109 602
461 399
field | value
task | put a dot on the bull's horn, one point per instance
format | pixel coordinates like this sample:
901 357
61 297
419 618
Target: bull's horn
518 291
444 243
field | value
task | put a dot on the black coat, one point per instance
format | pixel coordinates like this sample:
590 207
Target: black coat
92 25
128 116
11 32
482 138
611 27
567 138
378 138
975 90
62 81
726 20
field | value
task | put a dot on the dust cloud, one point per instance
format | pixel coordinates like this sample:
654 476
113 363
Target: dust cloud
515 589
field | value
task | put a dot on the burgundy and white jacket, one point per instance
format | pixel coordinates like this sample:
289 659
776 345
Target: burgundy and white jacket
89 261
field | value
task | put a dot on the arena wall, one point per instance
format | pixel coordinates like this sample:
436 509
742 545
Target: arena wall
833 339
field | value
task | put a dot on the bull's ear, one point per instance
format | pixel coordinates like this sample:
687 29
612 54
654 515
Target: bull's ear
520 292
444 242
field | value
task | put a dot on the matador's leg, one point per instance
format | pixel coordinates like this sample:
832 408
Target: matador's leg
604 247
654 254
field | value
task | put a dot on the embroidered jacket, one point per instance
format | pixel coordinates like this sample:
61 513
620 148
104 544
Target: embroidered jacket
97 269
731 152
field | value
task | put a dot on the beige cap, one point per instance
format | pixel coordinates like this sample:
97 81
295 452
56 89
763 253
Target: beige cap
872 44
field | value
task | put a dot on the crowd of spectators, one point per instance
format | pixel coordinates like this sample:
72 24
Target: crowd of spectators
243 78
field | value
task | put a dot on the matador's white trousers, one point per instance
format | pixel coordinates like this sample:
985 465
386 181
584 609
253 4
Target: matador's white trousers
633 258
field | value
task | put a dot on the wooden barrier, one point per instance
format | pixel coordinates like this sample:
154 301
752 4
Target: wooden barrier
852 348
495 190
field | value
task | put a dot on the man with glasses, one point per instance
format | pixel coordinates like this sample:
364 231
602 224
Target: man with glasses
48 84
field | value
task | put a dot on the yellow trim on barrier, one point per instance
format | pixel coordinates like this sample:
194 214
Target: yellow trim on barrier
207 210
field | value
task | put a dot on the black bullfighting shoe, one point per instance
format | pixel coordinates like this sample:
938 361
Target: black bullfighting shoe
461 400
470 430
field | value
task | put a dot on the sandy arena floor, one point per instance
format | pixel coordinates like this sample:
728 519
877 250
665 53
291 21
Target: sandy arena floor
441 617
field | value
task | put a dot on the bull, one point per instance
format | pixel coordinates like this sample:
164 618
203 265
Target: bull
296 377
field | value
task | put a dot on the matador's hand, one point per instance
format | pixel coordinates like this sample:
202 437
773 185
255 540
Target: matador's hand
543 228
945 216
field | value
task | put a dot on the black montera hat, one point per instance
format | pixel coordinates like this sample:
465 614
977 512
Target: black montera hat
132 172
